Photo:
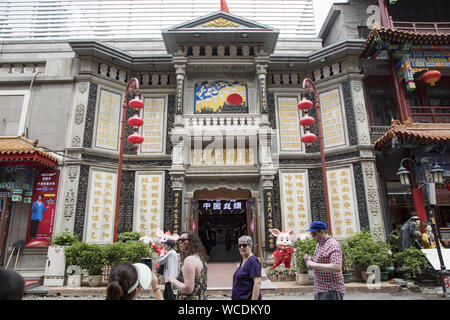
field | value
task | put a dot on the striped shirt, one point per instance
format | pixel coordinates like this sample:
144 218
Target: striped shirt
328 251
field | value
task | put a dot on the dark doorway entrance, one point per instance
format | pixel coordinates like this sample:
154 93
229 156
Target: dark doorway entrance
220 224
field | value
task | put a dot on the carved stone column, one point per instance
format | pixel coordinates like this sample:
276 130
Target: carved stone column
177 196
261 71
180 71
70 178
374 211
268 202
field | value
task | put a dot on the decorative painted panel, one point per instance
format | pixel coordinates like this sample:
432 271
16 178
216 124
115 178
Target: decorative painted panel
295 201
220 97
107 134
153 128
149 204
331 116
343 204
101 206
288 120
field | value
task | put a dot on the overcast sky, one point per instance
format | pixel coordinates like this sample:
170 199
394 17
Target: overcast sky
321 8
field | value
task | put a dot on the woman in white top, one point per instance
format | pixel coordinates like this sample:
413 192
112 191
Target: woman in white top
169 260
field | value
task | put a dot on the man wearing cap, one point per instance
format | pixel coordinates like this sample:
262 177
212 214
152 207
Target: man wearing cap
409 234
327 264
170 262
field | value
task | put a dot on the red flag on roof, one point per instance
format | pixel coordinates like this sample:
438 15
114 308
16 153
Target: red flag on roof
223 6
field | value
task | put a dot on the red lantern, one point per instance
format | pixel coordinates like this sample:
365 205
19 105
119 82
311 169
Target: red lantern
305 104
135 121
136 104
309 138
135 138
307 121
431 77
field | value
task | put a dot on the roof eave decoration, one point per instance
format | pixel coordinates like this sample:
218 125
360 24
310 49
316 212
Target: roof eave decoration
414 134
414 53
219 27
20 150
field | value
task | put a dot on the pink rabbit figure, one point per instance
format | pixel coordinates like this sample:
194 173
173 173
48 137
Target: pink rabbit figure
284 251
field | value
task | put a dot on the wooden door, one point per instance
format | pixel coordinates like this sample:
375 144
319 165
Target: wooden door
253 225
192 220
5 212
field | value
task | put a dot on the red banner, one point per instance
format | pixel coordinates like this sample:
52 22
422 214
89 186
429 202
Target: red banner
43 209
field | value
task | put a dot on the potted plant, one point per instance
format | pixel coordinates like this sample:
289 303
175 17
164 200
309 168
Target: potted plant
302 247
412 261
347 261
73 266
368 251
93 259
56 263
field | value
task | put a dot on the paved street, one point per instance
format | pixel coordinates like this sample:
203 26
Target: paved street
425 294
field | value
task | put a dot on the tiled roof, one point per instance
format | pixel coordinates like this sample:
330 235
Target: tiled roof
21 146
420 133
400 36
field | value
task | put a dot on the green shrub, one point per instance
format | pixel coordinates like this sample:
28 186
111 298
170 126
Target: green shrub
347 257
73 253
64 239
367 250
129 236
394 239
126 252
93 259
307 246
413 261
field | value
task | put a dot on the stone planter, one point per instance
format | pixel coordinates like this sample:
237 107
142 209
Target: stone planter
94 281
384 276
347 277
74 280
302 279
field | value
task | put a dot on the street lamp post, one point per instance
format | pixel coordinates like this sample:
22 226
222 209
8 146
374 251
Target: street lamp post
135 139
309 88
436 177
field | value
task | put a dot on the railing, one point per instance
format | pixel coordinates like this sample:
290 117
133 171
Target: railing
430 114
222 120
421 27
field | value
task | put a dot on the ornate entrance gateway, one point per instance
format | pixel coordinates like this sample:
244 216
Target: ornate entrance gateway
220 217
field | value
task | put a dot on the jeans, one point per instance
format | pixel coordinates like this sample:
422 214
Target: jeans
330 295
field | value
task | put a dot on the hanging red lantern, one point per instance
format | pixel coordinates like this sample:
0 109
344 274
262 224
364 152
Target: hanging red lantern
135 121
135 138
305 104
136 103
307 121
309 138
431 77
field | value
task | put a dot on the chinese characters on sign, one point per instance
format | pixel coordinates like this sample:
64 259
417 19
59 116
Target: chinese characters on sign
108 120
295 201
149 203
100 221
332 123
177 196
268 210
342 202
220 156
289 124
153 128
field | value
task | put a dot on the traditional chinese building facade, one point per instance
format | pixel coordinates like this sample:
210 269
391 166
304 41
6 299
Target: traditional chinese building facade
221 132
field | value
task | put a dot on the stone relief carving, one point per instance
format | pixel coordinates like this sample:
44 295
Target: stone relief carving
72 173
69 204
360 112
83 87
232 184
76 141
79 114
